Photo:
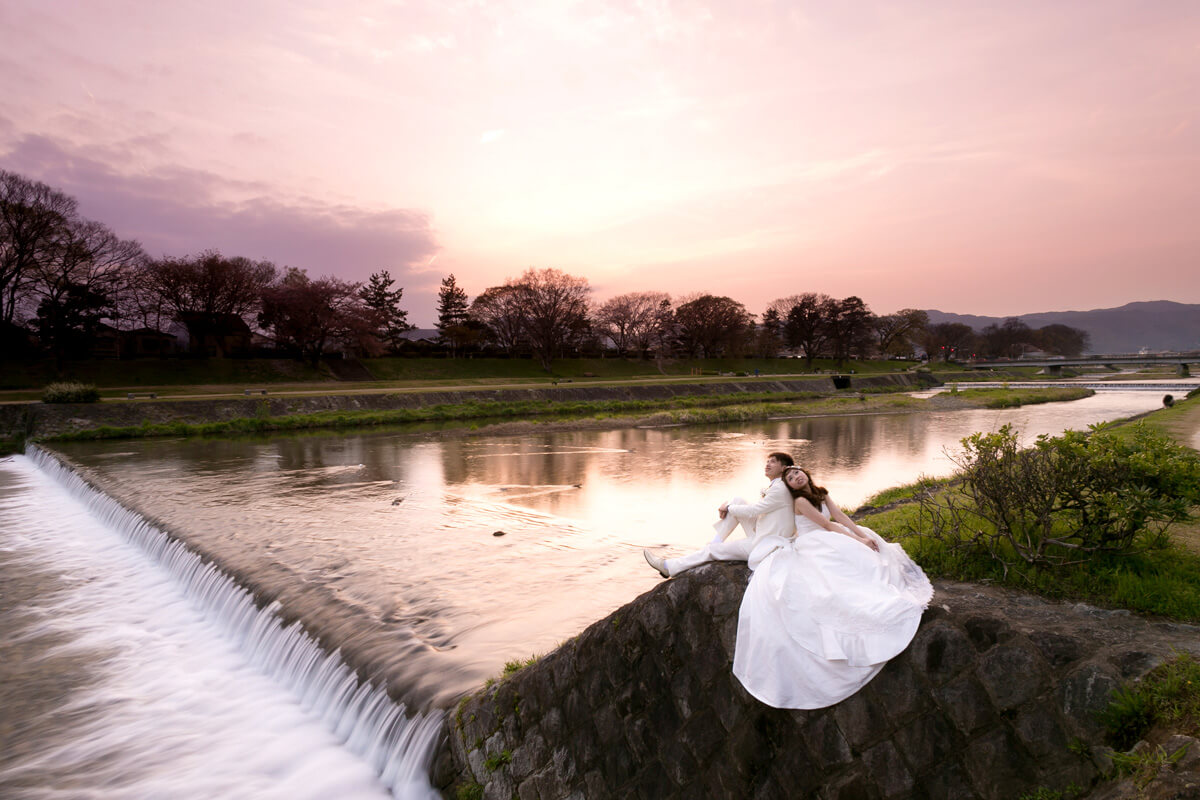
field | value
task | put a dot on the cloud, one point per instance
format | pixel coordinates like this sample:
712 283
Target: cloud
490 136
176 211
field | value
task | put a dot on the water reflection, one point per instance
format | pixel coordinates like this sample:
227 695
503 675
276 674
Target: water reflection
401 526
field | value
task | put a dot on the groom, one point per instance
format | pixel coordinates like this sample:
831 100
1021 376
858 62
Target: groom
772 514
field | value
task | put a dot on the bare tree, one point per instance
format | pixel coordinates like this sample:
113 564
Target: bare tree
1008 339
33 220
629 320
947 340
313 315
498 311
554 308
78 283
895 333
199 290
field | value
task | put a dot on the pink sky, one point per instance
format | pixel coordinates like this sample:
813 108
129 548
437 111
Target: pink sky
987 158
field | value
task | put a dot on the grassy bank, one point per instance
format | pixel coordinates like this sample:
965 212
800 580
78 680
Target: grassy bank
673 411
1013 398
195 374
1162 582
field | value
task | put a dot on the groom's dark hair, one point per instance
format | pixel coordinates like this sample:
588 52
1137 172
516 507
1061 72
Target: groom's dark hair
783 458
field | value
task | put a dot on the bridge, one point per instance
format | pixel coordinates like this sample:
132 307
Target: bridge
1054 364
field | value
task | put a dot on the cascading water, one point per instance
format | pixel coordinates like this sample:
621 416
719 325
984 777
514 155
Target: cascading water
396 747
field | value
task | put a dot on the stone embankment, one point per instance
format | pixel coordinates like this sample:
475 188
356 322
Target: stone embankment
996 696
40 420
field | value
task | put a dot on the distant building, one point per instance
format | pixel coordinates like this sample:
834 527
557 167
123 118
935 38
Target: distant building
109 342
147 343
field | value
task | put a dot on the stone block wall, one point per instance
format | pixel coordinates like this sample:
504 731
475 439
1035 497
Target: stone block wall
996 696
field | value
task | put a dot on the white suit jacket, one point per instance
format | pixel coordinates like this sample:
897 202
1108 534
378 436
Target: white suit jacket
774 512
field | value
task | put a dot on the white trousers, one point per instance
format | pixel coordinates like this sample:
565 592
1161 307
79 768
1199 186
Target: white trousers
737 550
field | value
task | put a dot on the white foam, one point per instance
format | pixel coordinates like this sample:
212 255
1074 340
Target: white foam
204 695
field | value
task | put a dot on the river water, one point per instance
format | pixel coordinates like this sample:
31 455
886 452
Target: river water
470 550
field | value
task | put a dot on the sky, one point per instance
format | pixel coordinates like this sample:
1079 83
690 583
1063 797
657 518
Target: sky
992 158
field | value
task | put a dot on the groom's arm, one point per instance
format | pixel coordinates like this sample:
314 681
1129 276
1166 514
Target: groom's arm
777 496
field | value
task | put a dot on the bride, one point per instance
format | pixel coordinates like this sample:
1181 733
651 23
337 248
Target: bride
825 611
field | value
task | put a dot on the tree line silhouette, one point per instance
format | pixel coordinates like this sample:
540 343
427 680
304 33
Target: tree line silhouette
65 279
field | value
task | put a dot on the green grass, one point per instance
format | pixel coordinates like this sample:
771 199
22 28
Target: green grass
1168 697
951 373
497 760
406 369
673 411
250 372
512 666
154 372
1013 398
905 492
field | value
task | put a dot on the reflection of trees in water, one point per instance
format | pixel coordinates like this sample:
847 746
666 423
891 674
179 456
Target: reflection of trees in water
840 443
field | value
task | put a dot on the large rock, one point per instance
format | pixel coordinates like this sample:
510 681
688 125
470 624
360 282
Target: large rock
995 697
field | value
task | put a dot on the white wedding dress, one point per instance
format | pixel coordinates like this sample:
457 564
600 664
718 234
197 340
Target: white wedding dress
823 614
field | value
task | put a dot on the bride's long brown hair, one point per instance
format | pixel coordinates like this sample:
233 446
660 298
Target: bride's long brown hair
810 491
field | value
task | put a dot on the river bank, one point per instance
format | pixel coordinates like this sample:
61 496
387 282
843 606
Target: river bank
657 405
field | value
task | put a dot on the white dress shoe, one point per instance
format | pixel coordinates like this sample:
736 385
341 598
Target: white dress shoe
656 562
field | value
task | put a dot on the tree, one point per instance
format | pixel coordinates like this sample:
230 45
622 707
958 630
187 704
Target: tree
199 290
1063 501
628 320
850 324
498 311
769 338
708 325
33 218
453 314
313 315
662 334
1062 340
804 324
78 281
384 302
946 340
894 333
554 311
1008 339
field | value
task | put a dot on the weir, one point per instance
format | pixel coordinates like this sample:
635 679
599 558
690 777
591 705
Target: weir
398 747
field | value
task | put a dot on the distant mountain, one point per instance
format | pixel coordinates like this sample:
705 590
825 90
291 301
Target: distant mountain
1156 325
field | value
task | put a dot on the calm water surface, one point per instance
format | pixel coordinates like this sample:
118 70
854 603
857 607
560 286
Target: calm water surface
402 525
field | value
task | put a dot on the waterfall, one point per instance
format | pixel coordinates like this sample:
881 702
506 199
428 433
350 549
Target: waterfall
398 747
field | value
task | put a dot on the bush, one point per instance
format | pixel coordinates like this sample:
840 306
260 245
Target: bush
1064 500
70 392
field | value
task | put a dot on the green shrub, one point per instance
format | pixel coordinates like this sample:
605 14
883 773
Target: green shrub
70 392
1065 500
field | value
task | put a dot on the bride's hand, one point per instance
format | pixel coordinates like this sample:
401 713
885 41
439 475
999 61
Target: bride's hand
871 543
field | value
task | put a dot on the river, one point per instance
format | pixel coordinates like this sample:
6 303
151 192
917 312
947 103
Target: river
469 550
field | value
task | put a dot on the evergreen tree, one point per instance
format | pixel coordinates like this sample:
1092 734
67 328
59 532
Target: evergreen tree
452 314
385 302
